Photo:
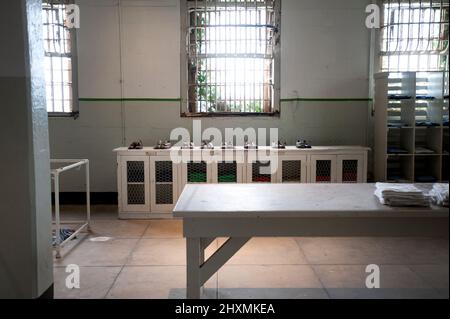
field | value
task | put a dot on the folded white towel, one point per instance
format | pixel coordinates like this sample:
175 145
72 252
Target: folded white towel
401 195
439 194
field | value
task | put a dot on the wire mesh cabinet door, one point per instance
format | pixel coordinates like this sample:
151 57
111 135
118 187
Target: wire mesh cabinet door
227 172
261 171
351 169
135 183
195 172
323 169
292 169
164 186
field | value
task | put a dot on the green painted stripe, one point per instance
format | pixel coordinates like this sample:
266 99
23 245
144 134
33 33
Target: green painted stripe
297 99
132 99
302 99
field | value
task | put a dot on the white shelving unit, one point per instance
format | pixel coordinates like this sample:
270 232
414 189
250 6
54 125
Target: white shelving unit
149 182
411 127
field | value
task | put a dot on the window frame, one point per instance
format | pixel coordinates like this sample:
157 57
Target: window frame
379 43
74 64
184 54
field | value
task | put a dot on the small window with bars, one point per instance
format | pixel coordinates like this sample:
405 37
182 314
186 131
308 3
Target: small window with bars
231 63
59 64
414 35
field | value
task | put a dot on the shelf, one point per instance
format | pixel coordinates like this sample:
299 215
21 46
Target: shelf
427 169
416 100
400 168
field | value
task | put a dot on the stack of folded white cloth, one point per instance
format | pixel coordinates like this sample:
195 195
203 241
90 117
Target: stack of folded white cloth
439 194
401 195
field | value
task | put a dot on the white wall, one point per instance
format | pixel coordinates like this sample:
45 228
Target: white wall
325 54
26 260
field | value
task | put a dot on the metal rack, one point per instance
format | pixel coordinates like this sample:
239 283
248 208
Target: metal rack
55 174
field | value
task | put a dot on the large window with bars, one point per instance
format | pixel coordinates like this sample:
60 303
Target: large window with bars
231 56
414 35
60 62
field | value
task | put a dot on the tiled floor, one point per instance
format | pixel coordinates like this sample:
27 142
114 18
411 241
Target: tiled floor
146 259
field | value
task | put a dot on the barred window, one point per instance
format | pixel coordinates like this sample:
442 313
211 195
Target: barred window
414 35
231 63
59 59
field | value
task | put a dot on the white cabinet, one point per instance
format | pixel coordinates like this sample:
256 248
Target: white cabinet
134 194
323 169
292 169
163 183
350 169
150 182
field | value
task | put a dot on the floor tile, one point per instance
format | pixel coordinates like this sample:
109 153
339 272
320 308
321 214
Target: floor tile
155 282
114 252
347 251
268 251
119 228
154 252
354 276
416 250
434 275
165 229
94 282
162 251
396 282
275 281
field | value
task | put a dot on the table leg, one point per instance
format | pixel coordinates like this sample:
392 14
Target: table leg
194 256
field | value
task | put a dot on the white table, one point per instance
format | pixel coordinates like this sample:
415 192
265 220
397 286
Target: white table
242 211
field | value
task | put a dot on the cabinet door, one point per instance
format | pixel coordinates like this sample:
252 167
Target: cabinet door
292 169
164 188
323 169
350 169
195 172
261 172
135 190
227 172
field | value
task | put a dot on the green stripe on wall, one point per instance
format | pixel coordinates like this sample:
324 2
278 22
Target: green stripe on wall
303 99
297 99
95 99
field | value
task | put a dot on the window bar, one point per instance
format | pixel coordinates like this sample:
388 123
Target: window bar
397 40
255 44
216 97
429 35
204 39
265 75
245 46
61 84
408 52
235 14
438 46
51 40
65 52
418 35
390 31
196 48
